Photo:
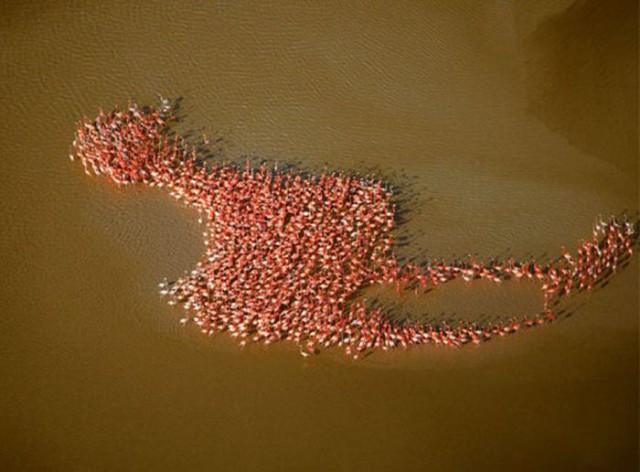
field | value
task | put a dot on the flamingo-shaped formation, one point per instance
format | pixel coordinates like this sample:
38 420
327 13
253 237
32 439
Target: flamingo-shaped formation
286 254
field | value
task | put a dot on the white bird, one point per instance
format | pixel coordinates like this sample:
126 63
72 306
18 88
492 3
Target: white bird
304 353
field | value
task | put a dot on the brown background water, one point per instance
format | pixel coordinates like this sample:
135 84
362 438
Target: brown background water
510 125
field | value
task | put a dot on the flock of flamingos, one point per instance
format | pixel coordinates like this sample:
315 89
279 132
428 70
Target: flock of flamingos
286 254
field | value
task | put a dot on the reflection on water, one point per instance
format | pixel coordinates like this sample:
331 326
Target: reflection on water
467 107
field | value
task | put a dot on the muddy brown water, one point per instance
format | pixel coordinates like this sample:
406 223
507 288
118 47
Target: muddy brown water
509 126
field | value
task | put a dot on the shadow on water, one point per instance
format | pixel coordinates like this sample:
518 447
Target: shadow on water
563 75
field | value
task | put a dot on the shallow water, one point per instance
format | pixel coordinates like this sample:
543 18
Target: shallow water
509 128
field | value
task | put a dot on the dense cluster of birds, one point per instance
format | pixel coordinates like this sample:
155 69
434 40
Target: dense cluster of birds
286 254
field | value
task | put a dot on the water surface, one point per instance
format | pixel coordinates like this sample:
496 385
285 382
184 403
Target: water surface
508 127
